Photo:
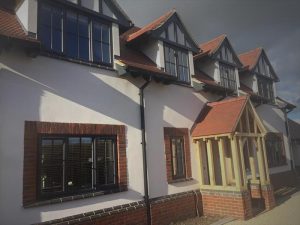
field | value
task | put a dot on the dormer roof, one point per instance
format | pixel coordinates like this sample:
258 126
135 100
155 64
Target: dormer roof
10 27
156 28
213 45
151 26
251 59
213 49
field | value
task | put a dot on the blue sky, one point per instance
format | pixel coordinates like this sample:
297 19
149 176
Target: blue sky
271 24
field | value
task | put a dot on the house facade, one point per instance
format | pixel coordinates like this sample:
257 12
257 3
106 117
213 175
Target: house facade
103 122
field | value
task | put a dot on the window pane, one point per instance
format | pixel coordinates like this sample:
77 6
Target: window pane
51 176
71 23
171 32
97 51
45 15
84 49
106 53
96 31
72 35
57 40
73 165
100 163
45 36
105 34
72 46
178 157
110 162
86 163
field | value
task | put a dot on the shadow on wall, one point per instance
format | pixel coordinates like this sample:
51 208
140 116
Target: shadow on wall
24 86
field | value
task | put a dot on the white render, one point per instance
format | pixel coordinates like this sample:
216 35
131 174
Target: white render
27 14
47 89
154 49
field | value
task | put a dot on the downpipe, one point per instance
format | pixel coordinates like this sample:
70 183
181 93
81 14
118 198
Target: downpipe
144 149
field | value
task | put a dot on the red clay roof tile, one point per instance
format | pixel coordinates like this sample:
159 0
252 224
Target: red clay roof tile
11 27
212 45
249 59
151 26
220 117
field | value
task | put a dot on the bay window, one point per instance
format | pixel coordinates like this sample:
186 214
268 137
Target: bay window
74 35
177 63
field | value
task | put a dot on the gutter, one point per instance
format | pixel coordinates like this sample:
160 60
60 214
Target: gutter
144 149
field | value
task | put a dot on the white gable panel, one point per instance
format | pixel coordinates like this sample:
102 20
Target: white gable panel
107 11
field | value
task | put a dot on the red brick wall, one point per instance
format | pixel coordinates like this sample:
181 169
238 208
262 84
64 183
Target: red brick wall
176 208
268 196
166 209
255 191
233 204
177 132
34 129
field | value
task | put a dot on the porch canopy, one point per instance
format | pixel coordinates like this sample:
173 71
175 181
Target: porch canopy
231 152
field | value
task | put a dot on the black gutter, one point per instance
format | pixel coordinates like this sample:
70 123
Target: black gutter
145 167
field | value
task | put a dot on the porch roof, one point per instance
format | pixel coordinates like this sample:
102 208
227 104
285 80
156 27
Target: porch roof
220 117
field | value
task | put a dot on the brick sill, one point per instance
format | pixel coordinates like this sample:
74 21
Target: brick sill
74 197
180 180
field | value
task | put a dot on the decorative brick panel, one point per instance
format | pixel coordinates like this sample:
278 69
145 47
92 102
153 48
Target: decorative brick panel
233 204
177 132
34 129
255 191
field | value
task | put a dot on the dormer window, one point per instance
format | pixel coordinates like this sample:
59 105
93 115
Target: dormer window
177 63
74 35
263 68
227 76
265 88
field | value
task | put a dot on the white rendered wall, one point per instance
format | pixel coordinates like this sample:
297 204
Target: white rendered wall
210 68
27 14
169 106
154 50
274 121
46 89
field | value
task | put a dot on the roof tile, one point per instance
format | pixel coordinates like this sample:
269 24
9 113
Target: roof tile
220 117
249 59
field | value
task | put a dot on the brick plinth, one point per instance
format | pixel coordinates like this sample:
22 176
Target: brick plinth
268 196
175 207
164 210
225 203
255 191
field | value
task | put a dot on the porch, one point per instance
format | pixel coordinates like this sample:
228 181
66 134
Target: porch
232 159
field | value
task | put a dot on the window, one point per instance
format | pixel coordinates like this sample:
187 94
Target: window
177 149
227 77
178 162
174 33
74 35
263 68
275 149
63 159
76 164
265 88
177 63
50 28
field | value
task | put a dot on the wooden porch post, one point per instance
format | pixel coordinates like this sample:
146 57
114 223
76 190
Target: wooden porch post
222 160
252 160
199 160
242 161
261 162
236 164
211 168
265 158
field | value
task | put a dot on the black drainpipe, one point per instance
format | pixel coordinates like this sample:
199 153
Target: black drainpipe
145 167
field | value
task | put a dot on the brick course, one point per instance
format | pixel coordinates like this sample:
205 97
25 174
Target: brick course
225 203
268 196
34 129
166 209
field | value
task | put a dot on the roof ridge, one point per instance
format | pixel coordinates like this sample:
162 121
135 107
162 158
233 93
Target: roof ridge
214 39
240 98
250 51
162 18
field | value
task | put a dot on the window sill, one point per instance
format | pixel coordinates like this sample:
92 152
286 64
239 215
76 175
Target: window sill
75 197
78 61
180 180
